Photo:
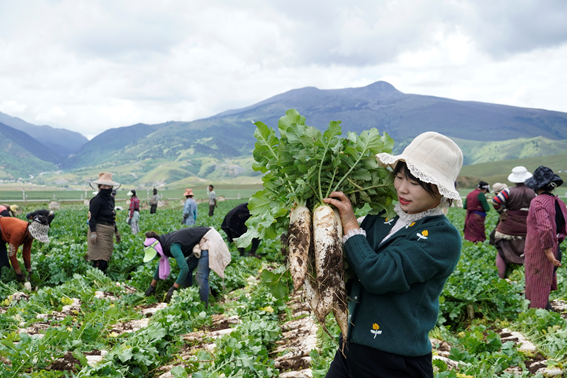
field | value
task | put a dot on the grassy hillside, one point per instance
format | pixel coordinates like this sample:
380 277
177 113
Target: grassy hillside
476 152
498 171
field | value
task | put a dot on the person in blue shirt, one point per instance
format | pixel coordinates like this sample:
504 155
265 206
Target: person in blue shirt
189 209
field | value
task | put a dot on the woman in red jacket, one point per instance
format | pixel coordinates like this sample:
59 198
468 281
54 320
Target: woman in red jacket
16 233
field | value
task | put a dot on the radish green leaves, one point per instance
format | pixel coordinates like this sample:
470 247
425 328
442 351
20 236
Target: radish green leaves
304 165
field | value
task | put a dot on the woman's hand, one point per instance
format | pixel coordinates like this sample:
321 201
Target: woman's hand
342 203
551 257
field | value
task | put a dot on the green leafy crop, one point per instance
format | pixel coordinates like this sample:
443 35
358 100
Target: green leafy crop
305 165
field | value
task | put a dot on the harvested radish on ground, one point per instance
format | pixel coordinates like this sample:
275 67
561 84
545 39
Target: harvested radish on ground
299 242
302 167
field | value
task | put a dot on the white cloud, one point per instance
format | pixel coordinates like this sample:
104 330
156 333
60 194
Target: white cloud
12 108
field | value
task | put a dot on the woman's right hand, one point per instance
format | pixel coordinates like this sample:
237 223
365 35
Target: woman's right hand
343 204
93 237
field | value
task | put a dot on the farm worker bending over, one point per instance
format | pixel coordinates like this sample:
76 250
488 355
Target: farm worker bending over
17 232
134 212
189 209
8 210
477 207
234 225
102 222
49 214
195 247
546 230
400 264
512 204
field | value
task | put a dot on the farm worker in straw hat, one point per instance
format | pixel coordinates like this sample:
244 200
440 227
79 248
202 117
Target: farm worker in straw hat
477 207
134 212
197 247
546 230
8 210
17 232
400 264
189 209
102 222
512 204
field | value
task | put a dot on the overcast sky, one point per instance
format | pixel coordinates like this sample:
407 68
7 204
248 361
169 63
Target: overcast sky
92 65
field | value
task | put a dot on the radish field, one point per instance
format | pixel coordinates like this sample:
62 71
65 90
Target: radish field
78 322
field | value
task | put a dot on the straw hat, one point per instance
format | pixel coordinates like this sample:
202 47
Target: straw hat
104 178
38 228
188 192
432 158
519 175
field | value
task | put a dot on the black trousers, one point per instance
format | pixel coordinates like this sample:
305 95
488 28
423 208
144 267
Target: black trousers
153 209
4 260
363 361
211 210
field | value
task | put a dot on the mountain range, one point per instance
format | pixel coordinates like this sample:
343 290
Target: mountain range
220 147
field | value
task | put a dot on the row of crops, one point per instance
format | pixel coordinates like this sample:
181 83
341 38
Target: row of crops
74 313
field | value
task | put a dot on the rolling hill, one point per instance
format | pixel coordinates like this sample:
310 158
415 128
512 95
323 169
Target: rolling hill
64 142
498 171
218 147
23 156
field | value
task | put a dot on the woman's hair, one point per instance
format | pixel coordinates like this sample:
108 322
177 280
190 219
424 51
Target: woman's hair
428 187
152 234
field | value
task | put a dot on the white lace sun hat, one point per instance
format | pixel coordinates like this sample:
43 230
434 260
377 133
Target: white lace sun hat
432 158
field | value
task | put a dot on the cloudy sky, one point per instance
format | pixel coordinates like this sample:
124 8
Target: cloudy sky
90 65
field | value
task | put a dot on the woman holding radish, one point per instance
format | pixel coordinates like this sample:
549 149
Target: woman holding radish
400 264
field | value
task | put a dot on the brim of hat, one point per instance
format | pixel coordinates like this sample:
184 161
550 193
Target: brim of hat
96 183
149 255
533 184
446 187
519 179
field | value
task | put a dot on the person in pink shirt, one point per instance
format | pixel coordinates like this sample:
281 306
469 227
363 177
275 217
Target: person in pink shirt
546 230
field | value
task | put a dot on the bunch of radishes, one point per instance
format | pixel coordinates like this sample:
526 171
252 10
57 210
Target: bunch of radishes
302 167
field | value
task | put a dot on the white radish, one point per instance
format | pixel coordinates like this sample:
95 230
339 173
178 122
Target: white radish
327 231
299 240
311 294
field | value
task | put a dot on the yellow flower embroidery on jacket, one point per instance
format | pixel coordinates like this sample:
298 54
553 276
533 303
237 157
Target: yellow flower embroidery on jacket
410 225
423 235
375 330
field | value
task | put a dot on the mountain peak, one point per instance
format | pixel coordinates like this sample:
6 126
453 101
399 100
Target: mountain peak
382 86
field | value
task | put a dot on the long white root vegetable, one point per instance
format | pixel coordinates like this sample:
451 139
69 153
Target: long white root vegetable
327 231
299 240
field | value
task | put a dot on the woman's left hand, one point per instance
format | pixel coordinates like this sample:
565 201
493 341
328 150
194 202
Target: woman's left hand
343 204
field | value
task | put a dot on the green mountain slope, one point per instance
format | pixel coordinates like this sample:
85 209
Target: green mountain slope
498 171
476 152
